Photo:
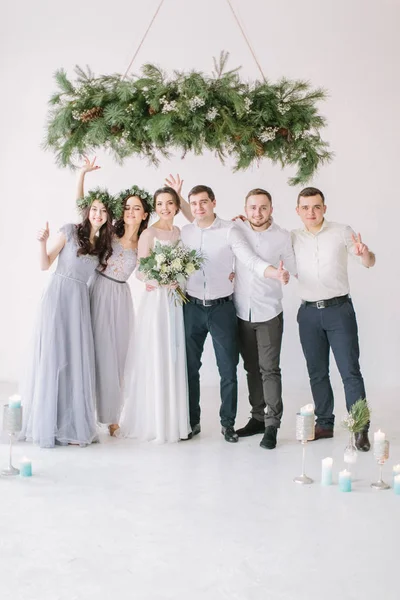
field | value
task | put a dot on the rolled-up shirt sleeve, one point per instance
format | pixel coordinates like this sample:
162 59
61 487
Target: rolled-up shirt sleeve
244 253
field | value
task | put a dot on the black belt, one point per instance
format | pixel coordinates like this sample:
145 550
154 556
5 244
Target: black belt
209 302
326 303
110 278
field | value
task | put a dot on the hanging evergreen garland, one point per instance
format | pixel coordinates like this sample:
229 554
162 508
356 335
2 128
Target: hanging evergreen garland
191 112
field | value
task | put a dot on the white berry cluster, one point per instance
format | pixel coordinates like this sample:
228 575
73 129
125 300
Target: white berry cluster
283 108
212 113
168 106
247 104
268 134
195 102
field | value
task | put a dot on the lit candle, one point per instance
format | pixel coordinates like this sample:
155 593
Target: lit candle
379 436
307 410
345 481
14 401
326 475
25 468
396 485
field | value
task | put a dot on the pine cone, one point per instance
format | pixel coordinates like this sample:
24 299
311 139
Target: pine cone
283 131
259 147
115 129
152 111
92 113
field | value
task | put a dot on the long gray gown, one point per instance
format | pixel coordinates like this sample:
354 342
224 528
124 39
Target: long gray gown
112 320
58 392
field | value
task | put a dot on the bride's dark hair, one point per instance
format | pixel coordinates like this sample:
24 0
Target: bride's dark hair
102 246
168 190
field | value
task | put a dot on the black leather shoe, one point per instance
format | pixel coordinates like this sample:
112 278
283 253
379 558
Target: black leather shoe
195 431
362 441
269 439
322 433
230 434
253 426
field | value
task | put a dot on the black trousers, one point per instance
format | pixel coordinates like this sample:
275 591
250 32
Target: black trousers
220 321
334 327
260 346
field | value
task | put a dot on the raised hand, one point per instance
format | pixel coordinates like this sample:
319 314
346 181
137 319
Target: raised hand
89 165
282 274
175 183
359 247
43 234
239 217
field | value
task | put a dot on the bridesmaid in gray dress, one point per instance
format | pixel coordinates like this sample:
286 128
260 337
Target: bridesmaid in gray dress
111 301
58 393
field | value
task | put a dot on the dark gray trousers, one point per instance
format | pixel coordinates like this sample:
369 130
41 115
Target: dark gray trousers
321 330
260 347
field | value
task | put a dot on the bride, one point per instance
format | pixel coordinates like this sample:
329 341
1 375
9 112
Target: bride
156 390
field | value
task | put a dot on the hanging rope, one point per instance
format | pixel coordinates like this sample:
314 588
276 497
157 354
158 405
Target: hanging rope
236 19
142 40
246 40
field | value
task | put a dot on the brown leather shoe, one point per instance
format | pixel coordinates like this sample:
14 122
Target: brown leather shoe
362 441
322 433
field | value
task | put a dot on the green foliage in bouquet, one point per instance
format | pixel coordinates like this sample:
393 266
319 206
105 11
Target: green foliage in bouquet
152 115
358 416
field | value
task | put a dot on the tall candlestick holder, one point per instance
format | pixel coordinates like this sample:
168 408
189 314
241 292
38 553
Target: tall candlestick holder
12 424
305 432
381 454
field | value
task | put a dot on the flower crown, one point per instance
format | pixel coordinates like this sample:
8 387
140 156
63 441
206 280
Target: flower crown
112 203
139 193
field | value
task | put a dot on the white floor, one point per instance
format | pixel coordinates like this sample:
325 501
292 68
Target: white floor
201 519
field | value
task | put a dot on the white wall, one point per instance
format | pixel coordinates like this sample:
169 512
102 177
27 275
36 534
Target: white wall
351 47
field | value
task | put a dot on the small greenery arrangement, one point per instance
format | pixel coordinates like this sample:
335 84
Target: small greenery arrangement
152 115
358 416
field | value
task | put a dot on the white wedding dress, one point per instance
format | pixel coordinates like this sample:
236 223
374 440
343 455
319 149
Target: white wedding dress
156 389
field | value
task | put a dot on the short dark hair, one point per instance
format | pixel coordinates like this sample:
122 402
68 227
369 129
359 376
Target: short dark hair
197 189
258 192
168 190
308 192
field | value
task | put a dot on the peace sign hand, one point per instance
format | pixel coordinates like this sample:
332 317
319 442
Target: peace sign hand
282 274
43 234
359 247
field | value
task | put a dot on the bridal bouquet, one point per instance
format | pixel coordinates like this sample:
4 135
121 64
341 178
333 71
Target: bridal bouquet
171 266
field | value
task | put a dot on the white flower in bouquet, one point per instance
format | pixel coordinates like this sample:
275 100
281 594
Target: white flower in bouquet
190 269
177 264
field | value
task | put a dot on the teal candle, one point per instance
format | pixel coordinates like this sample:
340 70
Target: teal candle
345 481
14 401
396 485
25 468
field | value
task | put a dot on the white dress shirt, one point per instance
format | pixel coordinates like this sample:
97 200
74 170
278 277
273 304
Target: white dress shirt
219 243
258 300
322 260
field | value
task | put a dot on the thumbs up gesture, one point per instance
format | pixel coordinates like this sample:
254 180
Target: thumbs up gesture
359 247
43 234
282 274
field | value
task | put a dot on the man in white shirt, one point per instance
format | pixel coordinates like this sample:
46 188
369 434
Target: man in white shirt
210 308
259 309
326 316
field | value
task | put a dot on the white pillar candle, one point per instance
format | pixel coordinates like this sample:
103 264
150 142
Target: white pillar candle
326 474
396 485
379 436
